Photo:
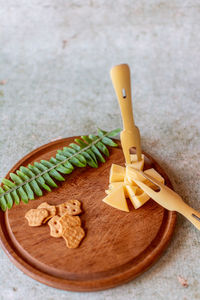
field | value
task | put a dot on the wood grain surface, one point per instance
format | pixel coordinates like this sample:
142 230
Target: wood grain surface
118 246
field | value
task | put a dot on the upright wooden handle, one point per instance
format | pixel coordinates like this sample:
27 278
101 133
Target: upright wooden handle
191 214
120 76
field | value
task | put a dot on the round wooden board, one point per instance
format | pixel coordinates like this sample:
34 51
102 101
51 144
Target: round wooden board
118 246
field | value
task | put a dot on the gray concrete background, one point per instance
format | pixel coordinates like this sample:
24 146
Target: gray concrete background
55 57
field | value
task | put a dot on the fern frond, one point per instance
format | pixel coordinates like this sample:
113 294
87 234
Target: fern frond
28 182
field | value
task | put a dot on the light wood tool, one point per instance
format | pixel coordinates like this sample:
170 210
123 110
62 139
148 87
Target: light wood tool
130 136
169 200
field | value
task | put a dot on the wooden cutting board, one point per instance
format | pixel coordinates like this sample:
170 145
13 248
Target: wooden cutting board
118 246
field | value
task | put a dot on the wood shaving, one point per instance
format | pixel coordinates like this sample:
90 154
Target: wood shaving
182 281
64 43
3 82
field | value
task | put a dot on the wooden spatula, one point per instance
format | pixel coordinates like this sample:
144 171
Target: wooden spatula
130 136
169 199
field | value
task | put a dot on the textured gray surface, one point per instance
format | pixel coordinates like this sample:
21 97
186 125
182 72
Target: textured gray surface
57 88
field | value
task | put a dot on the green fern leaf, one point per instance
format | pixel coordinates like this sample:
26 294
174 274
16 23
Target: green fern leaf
8 197
105 139
113 133
29 182
33 182
73 160
14 194
90 161
20 190
27 187
40 180
89 151
94 148
71 151
3 204
100 145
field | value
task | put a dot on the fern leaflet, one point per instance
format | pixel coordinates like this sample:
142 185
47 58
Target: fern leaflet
30 181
